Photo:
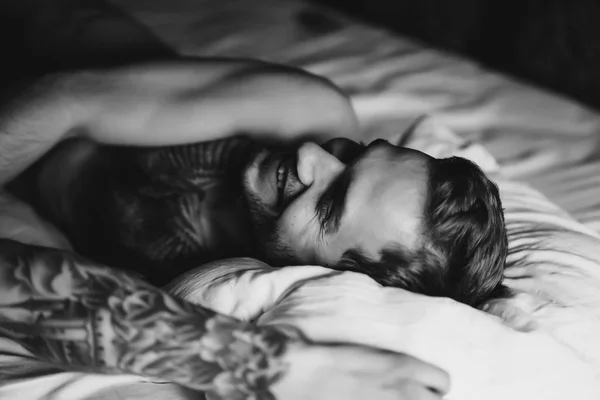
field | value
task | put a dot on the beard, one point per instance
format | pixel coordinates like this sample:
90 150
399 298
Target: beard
268 246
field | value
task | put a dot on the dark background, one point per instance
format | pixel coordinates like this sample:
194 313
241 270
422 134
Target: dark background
551 43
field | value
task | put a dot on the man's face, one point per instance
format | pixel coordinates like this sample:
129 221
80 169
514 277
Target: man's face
312 205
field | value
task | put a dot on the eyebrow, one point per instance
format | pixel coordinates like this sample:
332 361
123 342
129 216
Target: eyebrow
337 194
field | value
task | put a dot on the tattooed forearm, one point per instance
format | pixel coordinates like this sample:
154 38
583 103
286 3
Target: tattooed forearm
82 316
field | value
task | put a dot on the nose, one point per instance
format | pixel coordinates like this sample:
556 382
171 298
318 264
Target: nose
315 164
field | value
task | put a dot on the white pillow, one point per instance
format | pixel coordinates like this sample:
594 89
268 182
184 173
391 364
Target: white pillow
485 358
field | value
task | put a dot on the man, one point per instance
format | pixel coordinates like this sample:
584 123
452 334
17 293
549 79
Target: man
404 218
79 315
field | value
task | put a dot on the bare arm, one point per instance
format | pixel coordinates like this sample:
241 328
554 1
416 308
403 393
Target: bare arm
167 103
189 101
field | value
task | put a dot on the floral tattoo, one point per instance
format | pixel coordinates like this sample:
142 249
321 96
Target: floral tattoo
81 316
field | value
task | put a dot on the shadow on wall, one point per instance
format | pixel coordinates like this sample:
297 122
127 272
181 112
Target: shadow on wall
551 43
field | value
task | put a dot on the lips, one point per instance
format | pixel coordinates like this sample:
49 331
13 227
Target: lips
271 180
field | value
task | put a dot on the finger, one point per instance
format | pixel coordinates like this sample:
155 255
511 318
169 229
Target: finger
425 374
404 366
414 391
395 366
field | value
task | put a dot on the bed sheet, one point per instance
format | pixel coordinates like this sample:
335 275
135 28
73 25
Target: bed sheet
548 141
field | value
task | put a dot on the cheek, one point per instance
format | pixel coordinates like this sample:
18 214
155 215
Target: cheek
363 229
295 221
298 227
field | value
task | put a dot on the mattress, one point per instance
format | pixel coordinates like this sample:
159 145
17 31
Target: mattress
543 139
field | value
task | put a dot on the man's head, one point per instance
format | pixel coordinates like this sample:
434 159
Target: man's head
434 226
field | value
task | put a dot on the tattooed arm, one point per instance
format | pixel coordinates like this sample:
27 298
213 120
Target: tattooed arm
81 316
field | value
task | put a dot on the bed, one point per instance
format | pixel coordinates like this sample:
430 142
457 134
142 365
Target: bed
541 149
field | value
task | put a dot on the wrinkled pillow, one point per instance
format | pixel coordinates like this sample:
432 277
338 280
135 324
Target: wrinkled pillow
485 358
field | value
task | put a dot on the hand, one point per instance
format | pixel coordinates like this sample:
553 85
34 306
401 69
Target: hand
325 372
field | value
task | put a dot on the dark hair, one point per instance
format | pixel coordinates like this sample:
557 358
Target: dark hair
464 245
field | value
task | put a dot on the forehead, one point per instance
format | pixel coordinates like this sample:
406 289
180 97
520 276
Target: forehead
386 199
